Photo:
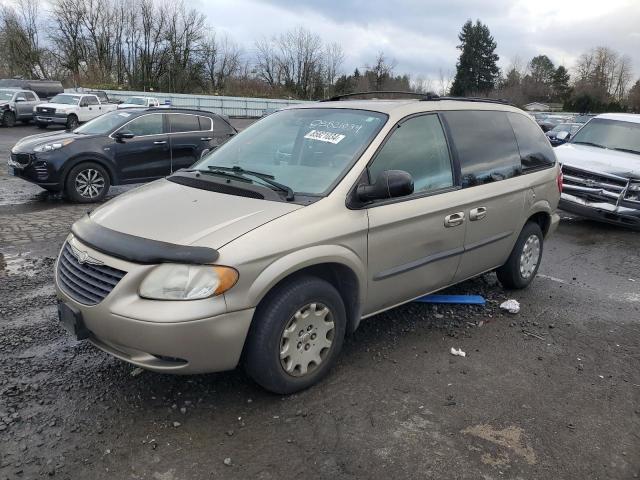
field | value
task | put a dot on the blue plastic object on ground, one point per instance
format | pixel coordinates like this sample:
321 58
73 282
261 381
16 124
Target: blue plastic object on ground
461 299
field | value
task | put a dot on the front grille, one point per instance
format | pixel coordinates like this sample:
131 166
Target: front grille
45 110
593 186
23 159
85 283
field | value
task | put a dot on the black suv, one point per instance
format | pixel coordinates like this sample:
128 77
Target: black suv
132 146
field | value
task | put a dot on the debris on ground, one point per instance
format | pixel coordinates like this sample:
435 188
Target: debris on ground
511 306
460 299
458 352
136 371
227 462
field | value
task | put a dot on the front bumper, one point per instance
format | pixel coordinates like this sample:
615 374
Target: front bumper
601 211
188 337
58 119
37 170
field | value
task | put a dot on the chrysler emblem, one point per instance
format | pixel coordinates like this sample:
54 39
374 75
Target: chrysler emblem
83 257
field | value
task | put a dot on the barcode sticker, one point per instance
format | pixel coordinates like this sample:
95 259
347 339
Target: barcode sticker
324 136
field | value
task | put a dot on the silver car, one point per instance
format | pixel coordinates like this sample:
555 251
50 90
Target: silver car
276 245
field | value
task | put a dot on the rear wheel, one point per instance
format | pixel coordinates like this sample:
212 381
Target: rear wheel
87 183
524 261
72 122
296 335
9 119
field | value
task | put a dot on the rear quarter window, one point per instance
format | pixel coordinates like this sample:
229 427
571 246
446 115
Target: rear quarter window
535 150
485 146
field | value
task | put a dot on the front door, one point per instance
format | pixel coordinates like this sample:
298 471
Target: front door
415 243
146 156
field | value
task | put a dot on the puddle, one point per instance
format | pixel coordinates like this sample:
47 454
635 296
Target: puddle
16 264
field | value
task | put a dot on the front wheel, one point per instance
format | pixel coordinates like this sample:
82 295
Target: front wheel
296 335
524 261
72 122
8 119
87 183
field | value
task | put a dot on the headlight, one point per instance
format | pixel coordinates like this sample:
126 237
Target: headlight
187 282
47 147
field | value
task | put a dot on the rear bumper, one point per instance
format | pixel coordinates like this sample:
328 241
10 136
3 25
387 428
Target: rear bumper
601 211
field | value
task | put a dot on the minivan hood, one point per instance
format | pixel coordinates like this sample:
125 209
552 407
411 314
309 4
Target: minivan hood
173 213
599 159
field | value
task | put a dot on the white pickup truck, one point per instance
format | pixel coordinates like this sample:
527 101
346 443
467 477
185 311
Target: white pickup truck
70 109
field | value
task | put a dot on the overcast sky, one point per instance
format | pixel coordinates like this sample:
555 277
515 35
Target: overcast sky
422 35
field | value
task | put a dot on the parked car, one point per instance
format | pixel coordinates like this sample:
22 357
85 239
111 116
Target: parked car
119 147
601 166
245 254
70 110
17 104
43 88
562 132
137 102
102 96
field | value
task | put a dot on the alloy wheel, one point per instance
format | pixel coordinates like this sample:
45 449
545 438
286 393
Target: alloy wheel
89 183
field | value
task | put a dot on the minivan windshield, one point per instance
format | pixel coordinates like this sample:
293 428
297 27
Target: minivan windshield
104 124
66 99
611 134
306 149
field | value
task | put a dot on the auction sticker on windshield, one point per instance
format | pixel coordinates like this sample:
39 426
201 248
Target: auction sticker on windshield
324 136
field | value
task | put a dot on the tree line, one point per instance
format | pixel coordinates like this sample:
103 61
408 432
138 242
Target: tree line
169 46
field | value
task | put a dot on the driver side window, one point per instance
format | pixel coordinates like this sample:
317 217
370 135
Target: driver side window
145 125
417 146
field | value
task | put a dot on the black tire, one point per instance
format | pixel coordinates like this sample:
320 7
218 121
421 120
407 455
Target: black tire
518 271
72 122
41 125
94 176
263 361
9 119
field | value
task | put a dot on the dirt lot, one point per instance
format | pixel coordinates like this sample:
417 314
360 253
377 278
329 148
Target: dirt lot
550 393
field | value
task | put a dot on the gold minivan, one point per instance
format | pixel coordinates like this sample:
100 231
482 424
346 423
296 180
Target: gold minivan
273 247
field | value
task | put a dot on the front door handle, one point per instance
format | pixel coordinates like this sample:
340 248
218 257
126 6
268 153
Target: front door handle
160 142
454 219
477 213
206 139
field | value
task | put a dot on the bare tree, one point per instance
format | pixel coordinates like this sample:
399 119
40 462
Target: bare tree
333 60
380 72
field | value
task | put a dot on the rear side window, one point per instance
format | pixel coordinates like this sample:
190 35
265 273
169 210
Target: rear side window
485 144
205 123
418 146
221 126
183 123
535 151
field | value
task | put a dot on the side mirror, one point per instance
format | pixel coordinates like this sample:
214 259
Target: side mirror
389 184
20 99
123 134
563 135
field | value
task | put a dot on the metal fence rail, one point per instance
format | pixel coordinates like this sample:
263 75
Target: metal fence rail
230 106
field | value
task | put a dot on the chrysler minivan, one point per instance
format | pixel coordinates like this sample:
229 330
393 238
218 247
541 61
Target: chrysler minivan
273 247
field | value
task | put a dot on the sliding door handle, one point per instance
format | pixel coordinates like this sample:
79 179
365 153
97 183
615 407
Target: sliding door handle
477 213
454 219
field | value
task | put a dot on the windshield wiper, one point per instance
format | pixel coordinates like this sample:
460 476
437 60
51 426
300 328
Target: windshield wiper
224 173
591 144
265 177
628 150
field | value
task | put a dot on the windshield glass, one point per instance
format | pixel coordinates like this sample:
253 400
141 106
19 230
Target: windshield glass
135 100
562 127
66 99
104 124
613 134
305 149
6 94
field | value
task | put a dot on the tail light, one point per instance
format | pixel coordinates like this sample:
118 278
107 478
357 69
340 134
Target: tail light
560 180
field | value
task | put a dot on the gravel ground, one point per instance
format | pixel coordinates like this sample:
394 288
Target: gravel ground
551 392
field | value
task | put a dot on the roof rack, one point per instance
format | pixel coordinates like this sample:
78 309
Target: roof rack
425 96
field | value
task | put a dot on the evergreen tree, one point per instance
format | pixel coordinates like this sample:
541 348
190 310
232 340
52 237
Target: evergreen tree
477 70
561 89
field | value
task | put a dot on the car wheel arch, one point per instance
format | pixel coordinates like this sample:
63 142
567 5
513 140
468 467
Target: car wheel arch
540 214
344 271
70 164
